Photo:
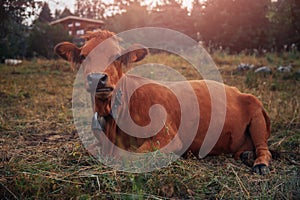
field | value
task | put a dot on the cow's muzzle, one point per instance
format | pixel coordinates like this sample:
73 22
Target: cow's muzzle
97 82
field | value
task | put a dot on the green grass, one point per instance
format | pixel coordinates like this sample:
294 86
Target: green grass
41 156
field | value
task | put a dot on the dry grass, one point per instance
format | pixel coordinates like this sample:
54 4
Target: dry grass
41 156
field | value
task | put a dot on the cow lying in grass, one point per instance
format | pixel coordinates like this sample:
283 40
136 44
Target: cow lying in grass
246 127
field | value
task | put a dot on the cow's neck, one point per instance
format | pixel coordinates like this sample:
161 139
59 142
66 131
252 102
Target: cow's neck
102 114
103 107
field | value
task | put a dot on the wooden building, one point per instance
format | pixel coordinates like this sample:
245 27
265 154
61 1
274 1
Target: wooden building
78 26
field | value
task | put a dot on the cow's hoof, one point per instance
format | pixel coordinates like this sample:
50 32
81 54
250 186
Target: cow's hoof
261 169
247 158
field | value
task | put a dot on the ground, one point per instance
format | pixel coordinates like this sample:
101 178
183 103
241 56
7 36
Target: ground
42 157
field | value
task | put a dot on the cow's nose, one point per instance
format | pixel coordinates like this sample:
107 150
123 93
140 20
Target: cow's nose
96 79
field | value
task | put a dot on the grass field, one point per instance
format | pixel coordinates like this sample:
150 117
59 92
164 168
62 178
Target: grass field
41 156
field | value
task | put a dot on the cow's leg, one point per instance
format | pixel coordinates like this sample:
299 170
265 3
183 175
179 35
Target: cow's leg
153 145
260 131
246 152
165 137
147 146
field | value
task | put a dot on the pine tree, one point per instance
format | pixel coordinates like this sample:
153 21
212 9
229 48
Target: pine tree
45 14
65 13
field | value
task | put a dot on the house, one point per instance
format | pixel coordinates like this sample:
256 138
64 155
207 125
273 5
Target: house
78 26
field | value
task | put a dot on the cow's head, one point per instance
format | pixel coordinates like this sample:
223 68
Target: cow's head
102 59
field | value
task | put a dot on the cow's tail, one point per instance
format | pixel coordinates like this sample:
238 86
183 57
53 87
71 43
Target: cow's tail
267 120
275 153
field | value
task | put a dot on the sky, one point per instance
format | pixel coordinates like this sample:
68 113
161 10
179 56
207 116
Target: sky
61 4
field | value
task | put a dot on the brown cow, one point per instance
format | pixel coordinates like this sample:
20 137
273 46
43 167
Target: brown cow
246 127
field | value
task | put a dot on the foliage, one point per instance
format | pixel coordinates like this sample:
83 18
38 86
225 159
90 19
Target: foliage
12 30
44 37
168 14
235 25
284 16
135 16
14 44
16 10
90 9
45 15
171 15
65 13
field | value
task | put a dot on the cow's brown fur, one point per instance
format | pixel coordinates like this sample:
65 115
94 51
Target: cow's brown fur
246 128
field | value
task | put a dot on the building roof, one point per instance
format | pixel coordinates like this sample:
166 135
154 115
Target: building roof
76 18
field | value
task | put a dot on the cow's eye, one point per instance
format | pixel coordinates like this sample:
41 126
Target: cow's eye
82 57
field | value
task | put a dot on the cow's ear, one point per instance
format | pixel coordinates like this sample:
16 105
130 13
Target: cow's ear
69 52
133 54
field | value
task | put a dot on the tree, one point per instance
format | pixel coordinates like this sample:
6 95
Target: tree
171 15
44 37
284 16
236 24
61 14
45 14
134 16
13 32
195 19
233 24
65 13
93 9
167 14
16 10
